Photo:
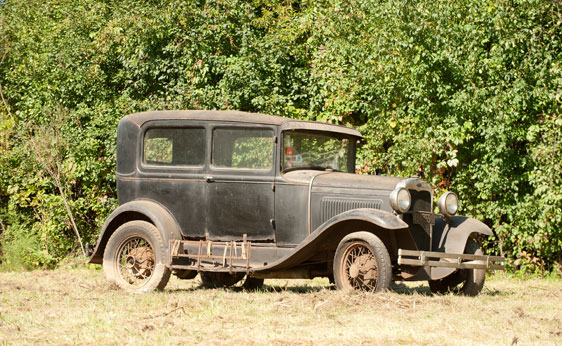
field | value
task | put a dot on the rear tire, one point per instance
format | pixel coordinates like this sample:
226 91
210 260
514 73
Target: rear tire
185 274
468 282
252 284
220 279
362 262
134 258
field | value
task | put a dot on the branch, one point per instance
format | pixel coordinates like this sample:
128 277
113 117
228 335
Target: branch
6 103
5 53
63 195
47 155
3 57
2 226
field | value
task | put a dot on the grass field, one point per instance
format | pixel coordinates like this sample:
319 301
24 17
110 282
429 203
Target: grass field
77 306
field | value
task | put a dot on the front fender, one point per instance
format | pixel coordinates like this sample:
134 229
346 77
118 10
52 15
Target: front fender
450 236
138 210
328 235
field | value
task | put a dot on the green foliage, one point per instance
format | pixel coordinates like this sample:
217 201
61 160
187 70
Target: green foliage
254 151
158 150
24 253
465 94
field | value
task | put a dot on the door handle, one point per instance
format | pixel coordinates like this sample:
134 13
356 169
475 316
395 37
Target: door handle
209 179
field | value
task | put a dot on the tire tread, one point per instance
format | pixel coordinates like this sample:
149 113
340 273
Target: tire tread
161 274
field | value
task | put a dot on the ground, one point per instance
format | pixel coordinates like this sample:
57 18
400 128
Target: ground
77 306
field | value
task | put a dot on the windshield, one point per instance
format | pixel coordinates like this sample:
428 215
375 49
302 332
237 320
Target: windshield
317 150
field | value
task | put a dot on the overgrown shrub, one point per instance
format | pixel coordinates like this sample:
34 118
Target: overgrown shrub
465 94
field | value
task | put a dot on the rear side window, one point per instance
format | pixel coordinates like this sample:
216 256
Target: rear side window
174 146
243 148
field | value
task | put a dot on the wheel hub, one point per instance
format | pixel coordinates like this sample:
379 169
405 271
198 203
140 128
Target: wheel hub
354 270
361 267
140 262
364 265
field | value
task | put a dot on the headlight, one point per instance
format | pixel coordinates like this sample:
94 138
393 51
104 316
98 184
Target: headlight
400 200
448 204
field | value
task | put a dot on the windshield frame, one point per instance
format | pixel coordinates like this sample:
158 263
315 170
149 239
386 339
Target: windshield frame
351 149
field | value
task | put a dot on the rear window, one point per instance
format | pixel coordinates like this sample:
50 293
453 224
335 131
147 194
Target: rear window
174 146
243 148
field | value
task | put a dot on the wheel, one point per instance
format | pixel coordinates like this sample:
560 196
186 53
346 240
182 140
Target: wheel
220 279
472 280
251 284
185 274
134 258
362 263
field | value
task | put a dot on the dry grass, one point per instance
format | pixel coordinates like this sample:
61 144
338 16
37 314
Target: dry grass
77 306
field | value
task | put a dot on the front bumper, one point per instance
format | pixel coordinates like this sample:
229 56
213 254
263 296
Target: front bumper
448 260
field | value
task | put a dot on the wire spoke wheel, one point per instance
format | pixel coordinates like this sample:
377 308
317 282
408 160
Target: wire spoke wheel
362 263
135 258
360 269
136 261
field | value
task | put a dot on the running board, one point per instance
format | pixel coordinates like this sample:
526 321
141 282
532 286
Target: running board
448 260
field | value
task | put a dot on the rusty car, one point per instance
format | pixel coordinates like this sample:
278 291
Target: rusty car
232 195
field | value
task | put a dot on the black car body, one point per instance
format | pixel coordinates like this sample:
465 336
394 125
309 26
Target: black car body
231 194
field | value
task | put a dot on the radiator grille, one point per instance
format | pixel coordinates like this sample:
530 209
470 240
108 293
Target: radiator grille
334 206
421 200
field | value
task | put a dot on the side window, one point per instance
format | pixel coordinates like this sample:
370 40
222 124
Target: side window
243 148
174 146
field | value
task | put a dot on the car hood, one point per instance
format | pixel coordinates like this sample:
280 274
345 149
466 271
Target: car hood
343 180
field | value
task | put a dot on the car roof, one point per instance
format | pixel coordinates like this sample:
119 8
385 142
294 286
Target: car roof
239 117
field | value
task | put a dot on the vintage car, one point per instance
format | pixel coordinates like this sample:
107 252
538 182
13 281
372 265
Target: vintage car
230 194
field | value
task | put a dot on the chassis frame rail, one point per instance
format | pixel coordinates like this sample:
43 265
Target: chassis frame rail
234 254
442 259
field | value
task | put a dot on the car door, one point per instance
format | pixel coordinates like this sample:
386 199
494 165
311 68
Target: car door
240 184
173 166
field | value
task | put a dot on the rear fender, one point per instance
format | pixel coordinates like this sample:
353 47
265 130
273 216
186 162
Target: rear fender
146 210
328 235
451 235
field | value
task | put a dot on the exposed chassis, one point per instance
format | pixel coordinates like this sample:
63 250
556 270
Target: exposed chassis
235 256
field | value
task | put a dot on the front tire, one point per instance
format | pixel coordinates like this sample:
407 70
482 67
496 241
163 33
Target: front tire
468 282
362 262
134 258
